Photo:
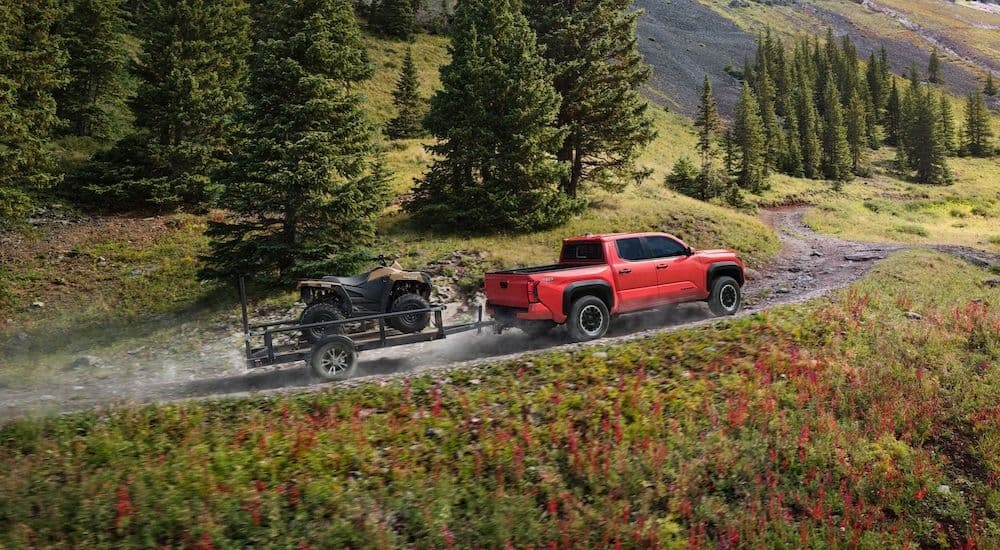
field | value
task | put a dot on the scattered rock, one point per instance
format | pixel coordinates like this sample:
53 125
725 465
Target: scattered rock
794 269
751 274
865 256
36 305
600 355
992 283
816 254
943 489
22 337
783 290
913 315
86 361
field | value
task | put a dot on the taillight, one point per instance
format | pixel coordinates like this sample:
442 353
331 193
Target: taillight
533 292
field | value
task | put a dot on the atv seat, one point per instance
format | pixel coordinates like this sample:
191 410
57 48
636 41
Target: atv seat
357 280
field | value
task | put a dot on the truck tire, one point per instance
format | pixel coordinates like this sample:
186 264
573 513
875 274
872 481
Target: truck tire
321 313
725 297
333 358
413 322
588 318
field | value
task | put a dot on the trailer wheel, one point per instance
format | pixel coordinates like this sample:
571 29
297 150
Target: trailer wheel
588 318
321 313
411 322
333 358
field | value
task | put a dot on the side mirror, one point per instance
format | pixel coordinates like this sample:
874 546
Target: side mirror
689 251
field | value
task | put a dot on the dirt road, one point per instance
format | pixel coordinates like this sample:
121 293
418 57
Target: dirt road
808 266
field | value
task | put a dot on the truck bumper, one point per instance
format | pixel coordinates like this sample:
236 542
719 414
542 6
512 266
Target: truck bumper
534 312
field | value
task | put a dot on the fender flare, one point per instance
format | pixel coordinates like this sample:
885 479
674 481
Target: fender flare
598 287
732 269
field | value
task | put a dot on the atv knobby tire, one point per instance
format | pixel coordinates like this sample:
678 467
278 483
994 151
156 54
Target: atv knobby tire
413 322
321 313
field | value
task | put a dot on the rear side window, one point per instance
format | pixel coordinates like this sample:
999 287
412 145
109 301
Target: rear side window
630 249
585 251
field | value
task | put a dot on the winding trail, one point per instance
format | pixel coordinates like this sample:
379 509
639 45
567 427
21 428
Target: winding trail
809 265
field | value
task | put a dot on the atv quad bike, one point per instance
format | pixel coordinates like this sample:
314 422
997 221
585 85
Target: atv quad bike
385 289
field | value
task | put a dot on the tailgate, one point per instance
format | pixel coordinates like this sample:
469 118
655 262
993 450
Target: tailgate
507 289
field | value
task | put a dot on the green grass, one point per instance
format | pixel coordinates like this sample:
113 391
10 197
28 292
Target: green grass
883 208
842 422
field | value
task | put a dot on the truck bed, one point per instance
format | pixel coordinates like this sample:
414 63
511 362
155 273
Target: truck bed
541 269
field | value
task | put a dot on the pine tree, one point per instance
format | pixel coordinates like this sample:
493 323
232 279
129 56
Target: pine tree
408 122
394 18
990 88
934 68
494 119
947 123
192 73
774 138
308 183
893 116
925 149
792 163
878 89
94 100
856 128
836 162
977 133
597 69
748 133
30 62
683 178
729 152
808 126
708 123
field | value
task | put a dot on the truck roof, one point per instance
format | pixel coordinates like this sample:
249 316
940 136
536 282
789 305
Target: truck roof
614 236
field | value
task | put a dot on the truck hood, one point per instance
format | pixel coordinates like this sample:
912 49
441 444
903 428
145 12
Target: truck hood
716 253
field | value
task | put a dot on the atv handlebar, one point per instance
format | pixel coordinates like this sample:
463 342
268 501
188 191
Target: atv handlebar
381 259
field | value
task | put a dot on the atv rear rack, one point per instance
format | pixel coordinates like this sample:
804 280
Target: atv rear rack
335 356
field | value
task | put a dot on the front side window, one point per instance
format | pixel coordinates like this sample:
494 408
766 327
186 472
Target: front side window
630 249
664 247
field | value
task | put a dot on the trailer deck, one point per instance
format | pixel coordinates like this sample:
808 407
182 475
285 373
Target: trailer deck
334 357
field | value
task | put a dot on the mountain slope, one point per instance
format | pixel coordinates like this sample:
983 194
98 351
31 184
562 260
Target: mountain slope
683 41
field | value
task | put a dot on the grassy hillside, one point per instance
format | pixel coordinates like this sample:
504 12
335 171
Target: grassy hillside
865 419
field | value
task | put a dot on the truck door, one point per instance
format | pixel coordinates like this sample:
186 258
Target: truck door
635 275
675 271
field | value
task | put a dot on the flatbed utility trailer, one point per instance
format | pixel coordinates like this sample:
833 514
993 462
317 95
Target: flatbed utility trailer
335 356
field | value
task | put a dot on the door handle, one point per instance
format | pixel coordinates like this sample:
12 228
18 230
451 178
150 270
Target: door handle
624 271
662 266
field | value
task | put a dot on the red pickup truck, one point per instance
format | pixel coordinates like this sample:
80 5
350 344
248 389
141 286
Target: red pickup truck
599 276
